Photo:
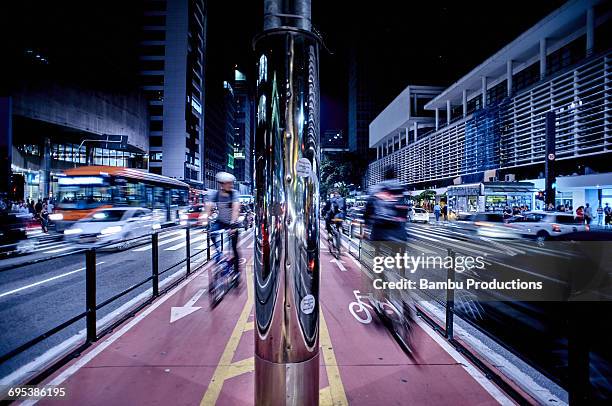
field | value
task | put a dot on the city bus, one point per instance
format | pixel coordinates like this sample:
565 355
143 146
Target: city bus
85 189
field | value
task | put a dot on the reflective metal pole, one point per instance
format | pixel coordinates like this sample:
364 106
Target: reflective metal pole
287 208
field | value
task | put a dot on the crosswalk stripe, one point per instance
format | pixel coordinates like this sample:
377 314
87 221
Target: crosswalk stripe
184 243
50 245
162 242
59 249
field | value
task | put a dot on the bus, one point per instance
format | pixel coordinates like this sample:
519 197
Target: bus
85 189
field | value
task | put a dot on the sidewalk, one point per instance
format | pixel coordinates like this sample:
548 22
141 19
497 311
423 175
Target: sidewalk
180 352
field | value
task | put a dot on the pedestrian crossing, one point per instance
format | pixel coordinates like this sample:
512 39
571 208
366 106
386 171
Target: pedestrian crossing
165 243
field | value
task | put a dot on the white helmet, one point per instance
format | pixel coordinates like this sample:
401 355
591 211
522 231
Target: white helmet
224 177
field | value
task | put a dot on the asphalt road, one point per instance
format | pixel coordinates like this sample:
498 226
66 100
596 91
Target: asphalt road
35 298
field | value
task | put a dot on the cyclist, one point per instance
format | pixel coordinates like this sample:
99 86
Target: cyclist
228 211
338 208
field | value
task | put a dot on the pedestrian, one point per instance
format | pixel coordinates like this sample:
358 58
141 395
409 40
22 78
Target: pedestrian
588 214
600 214
445 212
437 210
580 213
44 218
607 215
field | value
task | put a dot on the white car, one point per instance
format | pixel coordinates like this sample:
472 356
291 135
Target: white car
114 225
417 214
544 225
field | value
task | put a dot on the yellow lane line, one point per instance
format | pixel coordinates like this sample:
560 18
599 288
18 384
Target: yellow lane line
249 326
325 398
336 388
241 367
223 367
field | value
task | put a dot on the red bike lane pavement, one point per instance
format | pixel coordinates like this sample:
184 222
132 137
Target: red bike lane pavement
206 357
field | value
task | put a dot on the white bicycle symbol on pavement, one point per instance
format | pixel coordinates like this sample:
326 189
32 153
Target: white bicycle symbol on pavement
360 307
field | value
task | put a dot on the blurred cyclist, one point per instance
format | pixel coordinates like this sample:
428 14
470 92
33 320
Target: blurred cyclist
338 208
385 213
228 211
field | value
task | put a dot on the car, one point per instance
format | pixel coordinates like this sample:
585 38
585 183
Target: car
113 225
246 217
416 214
353 222
192 216
545 225
13 233
490 224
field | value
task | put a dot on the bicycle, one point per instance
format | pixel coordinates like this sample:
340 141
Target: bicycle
399 323
223 276
334 239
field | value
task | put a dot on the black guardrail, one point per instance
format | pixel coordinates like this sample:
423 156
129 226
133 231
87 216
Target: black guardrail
91 307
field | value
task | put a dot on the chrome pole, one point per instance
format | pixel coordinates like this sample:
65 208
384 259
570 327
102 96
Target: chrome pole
287 208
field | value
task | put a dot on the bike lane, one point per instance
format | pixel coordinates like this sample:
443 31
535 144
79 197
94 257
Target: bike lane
154 360
373 368
207 357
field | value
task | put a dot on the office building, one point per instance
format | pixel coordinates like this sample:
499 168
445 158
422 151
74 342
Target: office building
362 105
220 131
243 138
489 125
172 63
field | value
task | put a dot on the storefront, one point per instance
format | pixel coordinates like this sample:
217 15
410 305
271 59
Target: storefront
490 196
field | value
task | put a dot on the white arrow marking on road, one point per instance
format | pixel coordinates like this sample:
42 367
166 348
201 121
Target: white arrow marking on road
339 263
177 313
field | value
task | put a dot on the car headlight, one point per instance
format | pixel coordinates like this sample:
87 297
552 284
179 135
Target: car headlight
56 216
72 231
111 230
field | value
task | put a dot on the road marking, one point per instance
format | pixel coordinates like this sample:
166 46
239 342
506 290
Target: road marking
336 388
68 372
178 312
10 292
241 367
249 326
339 263
184 243
165 241
59 249
223 367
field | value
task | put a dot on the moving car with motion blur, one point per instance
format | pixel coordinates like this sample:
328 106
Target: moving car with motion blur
113 225
490 225
417 214
545 225
193 216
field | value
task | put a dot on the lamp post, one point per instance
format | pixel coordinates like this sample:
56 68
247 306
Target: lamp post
286 268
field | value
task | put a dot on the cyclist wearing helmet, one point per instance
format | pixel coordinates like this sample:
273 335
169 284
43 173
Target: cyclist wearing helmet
228 207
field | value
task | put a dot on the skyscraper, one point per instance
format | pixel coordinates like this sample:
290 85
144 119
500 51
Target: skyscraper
362 107
244 135
172 59
220 131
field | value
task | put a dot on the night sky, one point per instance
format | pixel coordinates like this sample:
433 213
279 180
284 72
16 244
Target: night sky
404 42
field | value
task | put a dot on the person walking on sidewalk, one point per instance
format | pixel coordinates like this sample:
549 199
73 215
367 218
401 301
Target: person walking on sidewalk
588 214
437 210
607 214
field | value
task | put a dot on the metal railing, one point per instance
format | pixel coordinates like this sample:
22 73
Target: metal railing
446 327
91 305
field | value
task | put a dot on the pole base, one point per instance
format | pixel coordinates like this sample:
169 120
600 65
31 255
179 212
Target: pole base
287 384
